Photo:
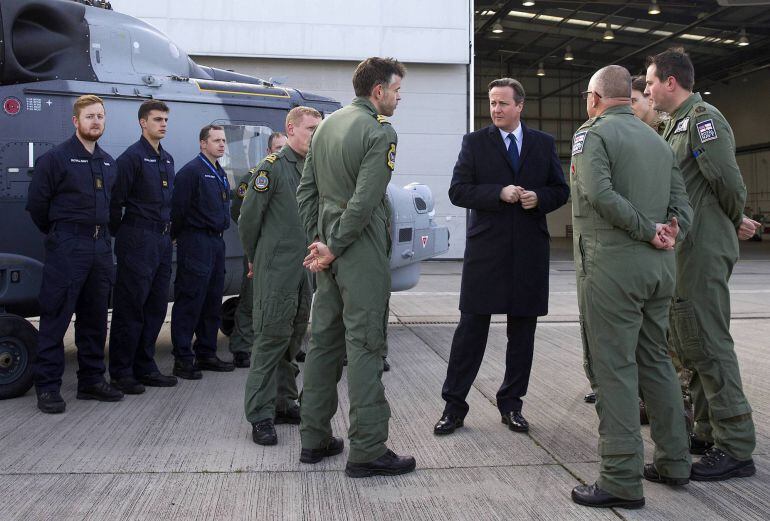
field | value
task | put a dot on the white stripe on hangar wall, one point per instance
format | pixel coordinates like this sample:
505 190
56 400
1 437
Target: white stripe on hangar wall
314 46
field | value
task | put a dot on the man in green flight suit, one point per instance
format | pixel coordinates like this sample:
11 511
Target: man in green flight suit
628 205
242 336
704 146
274 242
343 206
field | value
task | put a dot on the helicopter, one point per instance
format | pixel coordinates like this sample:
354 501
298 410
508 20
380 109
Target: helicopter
52 52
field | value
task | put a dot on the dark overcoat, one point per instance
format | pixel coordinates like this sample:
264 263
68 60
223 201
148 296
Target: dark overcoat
505 270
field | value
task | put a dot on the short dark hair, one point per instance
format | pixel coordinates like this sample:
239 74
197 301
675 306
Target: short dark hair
376 71
205 131
273 137
639 83
150 105
518 88
674 62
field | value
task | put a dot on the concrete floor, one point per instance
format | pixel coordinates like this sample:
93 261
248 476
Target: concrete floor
186 453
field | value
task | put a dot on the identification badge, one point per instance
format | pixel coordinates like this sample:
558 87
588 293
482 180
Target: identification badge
578 142
706 130
261 181
392 157
99 183
681 126
165 184
224 196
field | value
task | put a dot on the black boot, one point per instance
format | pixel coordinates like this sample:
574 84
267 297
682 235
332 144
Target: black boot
332 447
102 392
717 465
389 464
593 496
263 433
128 385
50 402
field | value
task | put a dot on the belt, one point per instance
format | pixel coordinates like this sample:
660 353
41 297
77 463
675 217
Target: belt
207 231
85 230
147 224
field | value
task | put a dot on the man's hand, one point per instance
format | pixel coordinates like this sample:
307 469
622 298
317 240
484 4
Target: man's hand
671 230
319 258
250 274
748 228
665 238
528 199
510 194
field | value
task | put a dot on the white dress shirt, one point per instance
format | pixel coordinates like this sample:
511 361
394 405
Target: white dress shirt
518 134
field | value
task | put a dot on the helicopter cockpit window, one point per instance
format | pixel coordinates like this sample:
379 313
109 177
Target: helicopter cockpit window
246 147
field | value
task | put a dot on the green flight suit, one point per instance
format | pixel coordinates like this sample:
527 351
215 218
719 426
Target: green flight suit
624 181
274 241
342 202
704 146
242 336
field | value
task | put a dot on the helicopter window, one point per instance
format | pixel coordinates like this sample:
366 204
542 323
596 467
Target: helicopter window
246 147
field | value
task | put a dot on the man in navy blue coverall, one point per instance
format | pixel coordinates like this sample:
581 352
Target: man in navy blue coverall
200 213
69 199
143 251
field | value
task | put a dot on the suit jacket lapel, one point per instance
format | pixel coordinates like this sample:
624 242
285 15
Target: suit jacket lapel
528 140
494 135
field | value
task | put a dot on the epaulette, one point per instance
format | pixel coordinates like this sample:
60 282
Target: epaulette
699 109
271 158
253 170
382 120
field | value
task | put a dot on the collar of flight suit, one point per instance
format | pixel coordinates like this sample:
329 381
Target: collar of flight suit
80 151
365 103
682 110
148 148
618 109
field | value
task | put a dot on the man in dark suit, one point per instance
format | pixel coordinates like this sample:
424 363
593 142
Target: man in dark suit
508 177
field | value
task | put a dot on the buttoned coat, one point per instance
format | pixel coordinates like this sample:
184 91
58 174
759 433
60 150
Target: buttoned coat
507 248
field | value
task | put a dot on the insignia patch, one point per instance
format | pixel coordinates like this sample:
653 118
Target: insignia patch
706 130
681 125
271 158
382 120
99 183
165 184
392 156
578 141
700 109
241 190
261 182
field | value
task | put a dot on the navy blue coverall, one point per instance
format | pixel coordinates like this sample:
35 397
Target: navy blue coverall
143 249
69 199
200 213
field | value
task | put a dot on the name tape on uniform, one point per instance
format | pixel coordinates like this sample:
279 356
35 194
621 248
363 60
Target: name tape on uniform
706 130
681 125
578 142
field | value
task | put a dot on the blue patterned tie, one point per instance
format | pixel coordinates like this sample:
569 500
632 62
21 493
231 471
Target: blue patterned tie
513 151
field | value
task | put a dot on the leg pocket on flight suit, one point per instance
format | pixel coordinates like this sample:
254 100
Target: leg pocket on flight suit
686 331
587 362
375 330
278 312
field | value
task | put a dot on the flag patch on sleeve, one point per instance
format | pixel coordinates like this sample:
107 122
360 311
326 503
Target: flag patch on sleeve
706 130
578 141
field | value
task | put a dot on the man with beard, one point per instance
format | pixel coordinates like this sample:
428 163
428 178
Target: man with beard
143 251
69 200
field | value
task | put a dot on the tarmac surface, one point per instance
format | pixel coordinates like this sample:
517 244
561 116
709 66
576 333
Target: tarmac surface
186 453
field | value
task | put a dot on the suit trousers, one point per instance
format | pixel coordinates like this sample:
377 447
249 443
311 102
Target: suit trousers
468 346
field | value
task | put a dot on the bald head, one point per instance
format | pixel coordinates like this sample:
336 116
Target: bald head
612 81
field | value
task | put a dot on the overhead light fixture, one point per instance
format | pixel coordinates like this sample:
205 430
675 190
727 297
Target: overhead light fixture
654 7
497 28
540 70
568 57
608 34
743 41
707 93
528 3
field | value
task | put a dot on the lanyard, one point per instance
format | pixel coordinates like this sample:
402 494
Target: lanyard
211 167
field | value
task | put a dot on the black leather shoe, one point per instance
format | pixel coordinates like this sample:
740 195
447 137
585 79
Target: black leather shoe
187 371
127 384
102 392
593 496
590 398
263 433
50 402
698 446
652 474
447 424
389 464
515 421
333 447
158 380
717 465
300 356
385 364
241 359
290 415
214 363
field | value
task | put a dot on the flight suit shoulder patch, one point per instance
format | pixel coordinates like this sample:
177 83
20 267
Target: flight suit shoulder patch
382 120
578 142
700 109
391 161
262 181
681 125
706 130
